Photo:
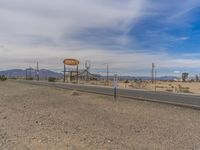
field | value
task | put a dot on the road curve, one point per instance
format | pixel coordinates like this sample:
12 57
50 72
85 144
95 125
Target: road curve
192 101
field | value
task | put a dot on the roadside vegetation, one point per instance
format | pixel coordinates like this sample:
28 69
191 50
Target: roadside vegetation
3 78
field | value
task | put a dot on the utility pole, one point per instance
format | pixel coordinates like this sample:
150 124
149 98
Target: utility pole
87 67
107 75
77 73
38 77
26 74
155 79
30 73
64 72
152 73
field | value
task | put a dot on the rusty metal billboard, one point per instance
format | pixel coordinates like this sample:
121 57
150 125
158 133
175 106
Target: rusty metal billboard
71 62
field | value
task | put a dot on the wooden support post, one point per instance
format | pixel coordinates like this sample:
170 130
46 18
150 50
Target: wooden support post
77 73
26 74
30 76
107 81
155 80
64 71
115 93
70 76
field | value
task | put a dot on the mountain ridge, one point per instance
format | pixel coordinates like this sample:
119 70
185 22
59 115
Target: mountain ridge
45 73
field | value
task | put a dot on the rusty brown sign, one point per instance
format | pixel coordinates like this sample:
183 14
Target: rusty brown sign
71 61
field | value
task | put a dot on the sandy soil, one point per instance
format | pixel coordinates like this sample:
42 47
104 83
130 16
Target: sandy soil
33 117
166 86
191 87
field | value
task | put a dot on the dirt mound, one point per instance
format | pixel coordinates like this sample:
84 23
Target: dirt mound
75 93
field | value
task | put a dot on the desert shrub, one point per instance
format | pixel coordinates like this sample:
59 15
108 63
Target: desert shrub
185 89
126 81
192 80
75 93
169 90
3 78
160 86
51 79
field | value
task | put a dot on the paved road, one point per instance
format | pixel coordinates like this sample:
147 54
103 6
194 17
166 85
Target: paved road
163 97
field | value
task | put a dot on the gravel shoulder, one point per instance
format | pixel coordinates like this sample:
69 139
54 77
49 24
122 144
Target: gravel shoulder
36 117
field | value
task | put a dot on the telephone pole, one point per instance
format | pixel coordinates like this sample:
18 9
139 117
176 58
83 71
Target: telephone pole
65 72
107 75
155 79
152 73
38 77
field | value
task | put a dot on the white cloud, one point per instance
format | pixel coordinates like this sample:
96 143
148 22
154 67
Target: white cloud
184 38
42 30
55 18
125 63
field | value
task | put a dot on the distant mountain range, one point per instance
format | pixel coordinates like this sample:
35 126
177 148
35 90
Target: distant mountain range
163 78
19 73
44 73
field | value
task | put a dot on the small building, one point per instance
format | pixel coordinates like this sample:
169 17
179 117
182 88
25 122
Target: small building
83 75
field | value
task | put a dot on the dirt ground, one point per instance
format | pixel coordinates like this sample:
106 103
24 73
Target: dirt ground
178 87
165 86
34 117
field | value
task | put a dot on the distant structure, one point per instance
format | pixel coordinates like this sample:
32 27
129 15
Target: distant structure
29 73
78 74
82 75
37 72
185 76
71 62
197 78
87 67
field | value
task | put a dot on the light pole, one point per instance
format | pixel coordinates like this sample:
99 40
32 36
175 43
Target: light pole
38 77
155 79
64 72
152 72
107 75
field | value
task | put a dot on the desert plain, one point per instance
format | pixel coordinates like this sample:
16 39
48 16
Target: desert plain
39 117
165 86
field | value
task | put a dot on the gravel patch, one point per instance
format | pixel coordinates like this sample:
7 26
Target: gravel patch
36 117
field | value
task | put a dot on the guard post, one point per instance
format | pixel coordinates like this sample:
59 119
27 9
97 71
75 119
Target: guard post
115 85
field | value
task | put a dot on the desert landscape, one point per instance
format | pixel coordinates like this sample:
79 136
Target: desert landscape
39 117
166 86
99 75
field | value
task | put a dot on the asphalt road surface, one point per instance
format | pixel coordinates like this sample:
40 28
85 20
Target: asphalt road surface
163 97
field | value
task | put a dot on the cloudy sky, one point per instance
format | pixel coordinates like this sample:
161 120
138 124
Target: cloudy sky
126 34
